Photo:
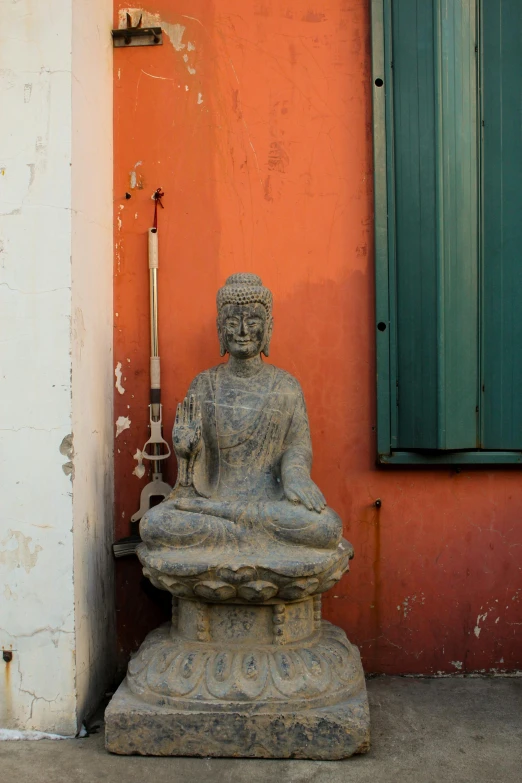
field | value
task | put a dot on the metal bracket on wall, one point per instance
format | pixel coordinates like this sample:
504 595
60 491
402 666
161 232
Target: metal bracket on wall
137 36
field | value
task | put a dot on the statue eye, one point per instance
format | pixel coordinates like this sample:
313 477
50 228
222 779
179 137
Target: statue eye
254 321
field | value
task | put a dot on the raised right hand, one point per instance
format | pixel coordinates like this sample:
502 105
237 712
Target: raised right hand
187 431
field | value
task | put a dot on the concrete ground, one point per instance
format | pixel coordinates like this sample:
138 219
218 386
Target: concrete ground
454 730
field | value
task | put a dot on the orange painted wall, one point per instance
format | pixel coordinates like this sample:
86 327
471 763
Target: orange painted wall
259 131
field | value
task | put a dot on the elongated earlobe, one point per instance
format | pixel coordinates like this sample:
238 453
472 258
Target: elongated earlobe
268 336
221 338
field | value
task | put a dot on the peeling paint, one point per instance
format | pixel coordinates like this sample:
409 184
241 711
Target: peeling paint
122 423
79 331
68 469
136 179
9 595
17 551
67 446
118 374
200 98
480 618
67 450
139 470
409 601
173 31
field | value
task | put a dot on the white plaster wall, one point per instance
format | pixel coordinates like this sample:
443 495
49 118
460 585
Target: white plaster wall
92 365
41 350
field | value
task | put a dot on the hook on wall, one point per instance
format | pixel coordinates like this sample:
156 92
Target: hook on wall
137 35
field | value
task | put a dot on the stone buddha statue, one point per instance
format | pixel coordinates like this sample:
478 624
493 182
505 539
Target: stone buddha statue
242 441
246 546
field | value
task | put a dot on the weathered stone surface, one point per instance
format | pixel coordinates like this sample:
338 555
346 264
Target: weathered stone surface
287 572
246 546
242 440
243 660
333 732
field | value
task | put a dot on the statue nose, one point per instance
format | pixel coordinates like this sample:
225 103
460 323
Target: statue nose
242 327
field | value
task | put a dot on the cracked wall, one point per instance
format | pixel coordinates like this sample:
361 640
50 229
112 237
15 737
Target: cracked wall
53 240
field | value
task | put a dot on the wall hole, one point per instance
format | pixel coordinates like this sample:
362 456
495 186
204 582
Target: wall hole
379 82
381 326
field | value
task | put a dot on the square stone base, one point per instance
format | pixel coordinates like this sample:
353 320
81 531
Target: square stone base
326 733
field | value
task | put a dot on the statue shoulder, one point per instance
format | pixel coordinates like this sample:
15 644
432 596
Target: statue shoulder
203 379
285 381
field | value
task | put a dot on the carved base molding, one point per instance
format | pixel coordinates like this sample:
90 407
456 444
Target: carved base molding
271 681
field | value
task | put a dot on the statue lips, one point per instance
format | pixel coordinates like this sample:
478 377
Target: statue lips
240 347
241 343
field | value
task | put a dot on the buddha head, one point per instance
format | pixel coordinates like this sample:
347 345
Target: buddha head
244 319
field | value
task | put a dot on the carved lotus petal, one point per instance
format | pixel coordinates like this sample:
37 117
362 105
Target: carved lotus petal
215 591
174 586
222 666
299 588
237 575
169 666
250 666
168 581
181 589
328 584
257 591
156 584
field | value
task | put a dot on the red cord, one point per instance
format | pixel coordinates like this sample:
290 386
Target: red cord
157 196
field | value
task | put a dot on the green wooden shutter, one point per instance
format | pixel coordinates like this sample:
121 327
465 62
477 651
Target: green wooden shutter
502 224
433 113
414 123
448 236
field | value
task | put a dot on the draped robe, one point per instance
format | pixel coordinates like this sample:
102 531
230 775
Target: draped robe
248 425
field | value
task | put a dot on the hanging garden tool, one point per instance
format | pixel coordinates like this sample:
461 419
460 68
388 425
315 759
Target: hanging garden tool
156 449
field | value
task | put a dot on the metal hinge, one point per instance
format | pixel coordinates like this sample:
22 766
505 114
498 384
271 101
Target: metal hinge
137 36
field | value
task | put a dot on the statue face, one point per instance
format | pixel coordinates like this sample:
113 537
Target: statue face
244 329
